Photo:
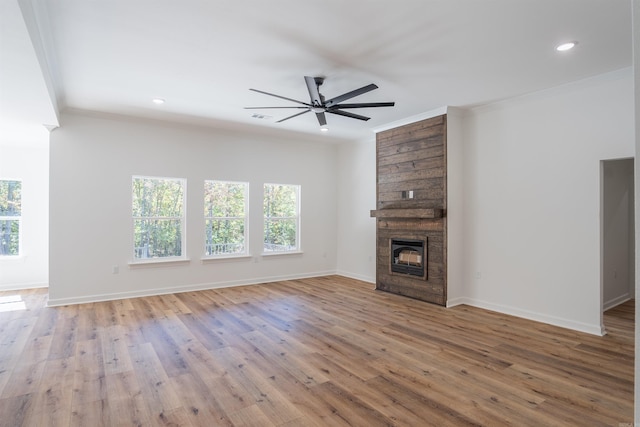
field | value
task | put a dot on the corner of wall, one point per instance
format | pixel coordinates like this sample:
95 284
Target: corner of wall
455 206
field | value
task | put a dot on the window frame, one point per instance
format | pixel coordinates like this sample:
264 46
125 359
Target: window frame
17 218
245 252
298 240
182 219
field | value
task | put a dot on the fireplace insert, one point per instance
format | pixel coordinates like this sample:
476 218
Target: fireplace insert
408 256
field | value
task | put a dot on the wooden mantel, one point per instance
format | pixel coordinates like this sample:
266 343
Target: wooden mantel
408 213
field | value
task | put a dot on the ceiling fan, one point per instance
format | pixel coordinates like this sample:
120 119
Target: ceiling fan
319 105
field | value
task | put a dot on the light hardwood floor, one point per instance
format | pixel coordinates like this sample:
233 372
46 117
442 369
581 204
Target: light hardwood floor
315 352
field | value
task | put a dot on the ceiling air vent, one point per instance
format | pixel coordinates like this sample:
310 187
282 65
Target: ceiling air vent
261 116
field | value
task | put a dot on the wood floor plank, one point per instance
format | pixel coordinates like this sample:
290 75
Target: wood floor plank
95 413
14 410
89 385
262 391
64 335
24 379
322 351
87 323
35 350
50 408
201 408
161 399
250 416
115 351
281 355
52 404
14 337
173 418
316 411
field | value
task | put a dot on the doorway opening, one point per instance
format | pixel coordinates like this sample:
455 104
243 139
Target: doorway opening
617 243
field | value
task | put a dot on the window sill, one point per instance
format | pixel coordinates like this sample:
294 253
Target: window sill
277 254
159 262
13 258
225 258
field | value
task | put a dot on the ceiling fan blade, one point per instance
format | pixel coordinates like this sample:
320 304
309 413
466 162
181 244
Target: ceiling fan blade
264 108
346 114
321 119
349 95
364 105
281 97
291 117
314 94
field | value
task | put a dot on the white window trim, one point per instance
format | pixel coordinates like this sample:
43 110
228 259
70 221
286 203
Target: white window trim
159 262
226 256
298 249
245 254
212 259
281 253
183 227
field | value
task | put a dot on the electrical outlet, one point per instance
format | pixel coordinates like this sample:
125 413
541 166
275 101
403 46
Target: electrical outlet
116 269
407 194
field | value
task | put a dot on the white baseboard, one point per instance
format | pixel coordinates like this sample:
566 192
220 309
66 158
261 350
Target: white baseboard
456 301
616 301
356 276
56 302
22 286
530 315
551 320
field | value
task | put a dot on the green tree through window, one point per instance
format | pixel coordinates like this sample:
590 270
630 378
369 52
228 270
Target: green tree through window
10 217
225 210
158 217
281 218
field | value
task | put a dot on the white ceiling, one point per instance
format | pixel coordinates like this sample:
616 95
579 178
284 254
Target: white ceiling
25 103
202 56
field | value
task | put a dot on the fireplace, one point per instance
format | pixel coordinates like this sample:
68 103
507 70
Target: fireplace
408 256
411 210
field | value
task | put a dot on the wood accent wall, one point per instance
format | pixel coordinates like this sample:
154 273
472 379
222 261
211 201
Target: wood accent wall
413 158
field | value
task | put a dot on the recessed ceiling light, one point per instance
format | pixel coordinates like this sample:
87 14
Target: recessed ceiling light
566 46
158 101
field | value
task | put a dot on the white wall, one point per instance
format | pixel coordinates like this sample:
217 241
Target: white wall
25 156
532 195
455 205
636 91
618 274
92 160
356 198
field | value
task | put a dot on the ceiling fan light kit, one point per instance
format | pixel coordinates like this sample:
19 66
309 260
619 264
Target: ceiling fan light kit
319 105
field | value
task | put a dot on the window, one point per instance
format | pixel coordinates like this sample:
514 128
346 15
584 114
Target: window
158 217
225 215
281 218
10 217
